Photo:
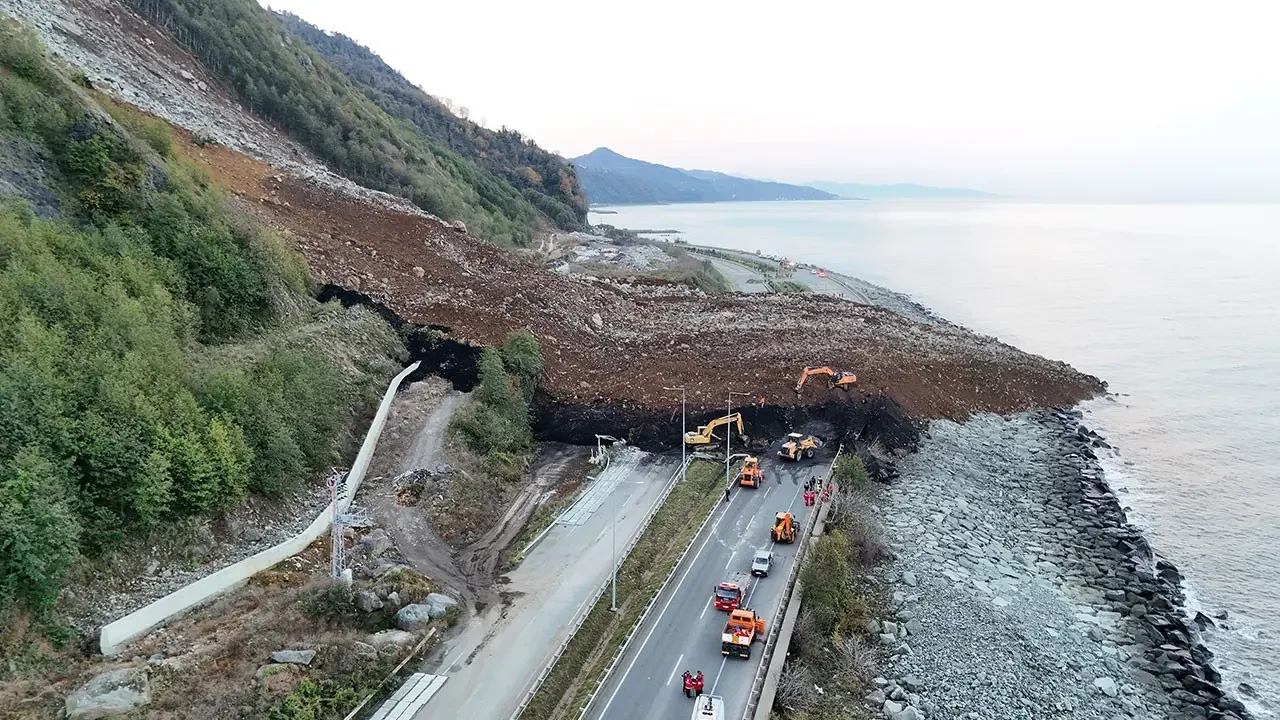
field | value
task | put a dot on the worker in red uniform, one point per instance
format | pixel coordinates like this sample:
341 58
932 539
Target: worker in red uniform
697 683
688 684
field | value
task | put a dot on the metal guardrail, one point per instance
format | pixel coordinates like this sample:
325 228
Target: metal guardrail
586 608
537 539
771 642
644 614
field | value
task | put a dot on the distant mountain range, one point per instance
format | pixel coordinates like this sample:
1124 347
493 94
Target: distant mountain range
612 179
898 191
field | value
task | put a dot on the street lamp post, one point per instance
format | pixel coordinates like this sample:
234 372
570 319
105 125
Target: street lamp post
682 432
728 433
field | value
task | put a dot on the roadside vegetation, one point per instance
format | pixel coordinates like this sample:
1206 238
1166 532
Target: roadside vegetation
145 367
280 78
497 426
788 286
581 667
829 647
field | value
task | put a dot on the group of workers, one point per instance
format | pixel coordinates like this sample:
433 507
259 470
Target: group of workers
812 487
693 684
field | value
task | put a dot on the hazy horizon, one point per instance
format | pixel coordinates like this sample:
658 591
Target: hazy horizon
1093 101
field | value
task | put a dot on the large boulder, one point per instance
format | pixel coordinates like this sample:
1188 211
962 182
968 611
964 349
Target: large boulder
368 601
376 542
391 639
438 605
112 693
293 657
414 617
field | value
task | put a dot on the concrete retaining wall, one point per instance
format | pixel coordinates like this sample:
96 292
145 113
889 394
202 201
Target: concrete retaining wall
116 635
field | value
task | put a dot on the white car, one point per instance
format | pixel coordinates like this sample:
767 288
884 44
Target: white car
762 562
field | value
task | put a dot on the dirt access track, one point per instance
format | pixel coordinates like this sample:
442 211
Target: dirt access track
605 342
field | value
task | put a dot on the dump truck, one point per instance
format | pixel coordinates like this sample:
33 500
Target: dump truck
751 475
731 593
708 707
798 446
743 628
705 434
784 528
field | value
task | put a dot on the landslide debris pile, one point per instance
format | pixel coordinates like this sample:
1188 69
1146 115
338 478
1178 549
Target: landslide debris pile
607 341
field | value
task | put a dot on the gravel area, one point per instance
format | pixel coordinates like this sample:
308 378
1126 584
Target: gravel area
1019 590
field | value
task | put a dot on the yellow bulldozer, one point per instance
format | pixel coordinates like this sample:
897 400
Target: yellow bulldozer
798 446
784 528
705 434
838 379
751 475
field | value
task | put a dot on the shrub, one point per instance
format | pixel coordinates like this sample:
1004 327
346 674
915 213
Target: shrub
851 473
328 600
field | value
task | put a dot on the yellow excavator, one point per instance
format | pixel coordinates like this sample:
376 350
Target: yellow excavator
835 378
705 434
798 446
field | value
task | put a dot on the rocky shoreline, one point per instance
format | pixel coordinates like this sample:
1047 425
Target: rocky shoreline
1020 589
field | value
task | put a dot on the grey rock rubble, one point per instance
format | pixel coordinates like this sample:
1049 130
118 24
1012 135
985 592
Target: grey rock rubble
112 693
1020 590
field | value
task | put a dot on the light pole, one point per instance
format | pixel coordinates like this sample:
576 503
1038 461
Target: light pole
728 433
682 431
613 520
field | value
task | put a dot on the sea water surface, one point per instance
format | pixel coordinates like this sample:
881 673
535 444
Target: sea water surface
1177 307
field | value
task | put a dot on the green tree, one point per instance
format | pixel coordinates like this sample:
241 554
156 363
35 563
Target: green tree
523 360
38 531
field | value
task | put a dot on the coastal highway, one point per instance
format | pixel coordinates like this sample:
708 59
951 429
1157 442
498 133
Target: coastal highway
683 631
492 663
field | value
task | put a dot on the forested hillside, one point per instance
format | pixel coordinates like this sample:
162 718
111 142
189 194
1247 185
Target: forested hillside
147 373
280 78
544 179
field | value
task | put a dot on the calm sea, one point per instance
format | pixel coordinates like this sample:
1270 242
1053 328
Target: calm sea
1176 306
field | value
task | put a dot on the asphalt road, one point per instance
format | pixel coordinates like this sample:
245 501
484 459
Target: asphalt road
492 663
744 278
683 633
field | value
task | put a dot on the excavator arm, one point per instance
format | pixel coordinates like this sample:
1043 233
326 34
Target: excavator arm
835 378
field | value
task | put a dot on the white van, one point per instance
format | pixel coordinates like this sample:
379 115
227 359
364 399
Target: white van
708 707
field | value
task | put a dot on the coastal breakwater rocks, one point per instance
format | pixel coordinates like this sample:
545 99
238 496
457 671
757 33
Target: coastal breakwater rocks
1020 590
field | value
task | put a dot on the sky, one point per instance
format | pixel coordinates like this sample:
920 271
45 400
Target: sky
1079 100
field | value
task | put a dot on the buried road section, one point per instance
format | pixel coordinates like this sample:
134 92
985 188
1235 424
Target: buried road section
683 631
494 661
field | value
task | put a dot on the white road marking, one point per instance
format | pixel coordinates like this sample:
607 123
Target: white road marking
674 669
602 532
766 492
658 620
723 660
731 556
707 607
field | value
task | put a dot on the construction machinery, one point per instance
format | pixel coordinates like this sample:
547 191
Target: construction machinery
743 628
705 434
798 446
708 707
730 594
751 475
784 528
835 378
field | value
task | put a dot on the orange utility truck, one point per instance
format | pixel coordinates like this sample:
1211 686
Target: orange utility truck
743 628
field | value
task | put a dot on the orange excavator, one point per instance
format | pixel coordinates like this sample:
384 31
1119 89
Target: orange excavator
835 378
751 474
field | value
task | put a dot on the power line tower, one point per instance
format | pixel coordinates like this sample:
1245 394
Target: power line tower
343 518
